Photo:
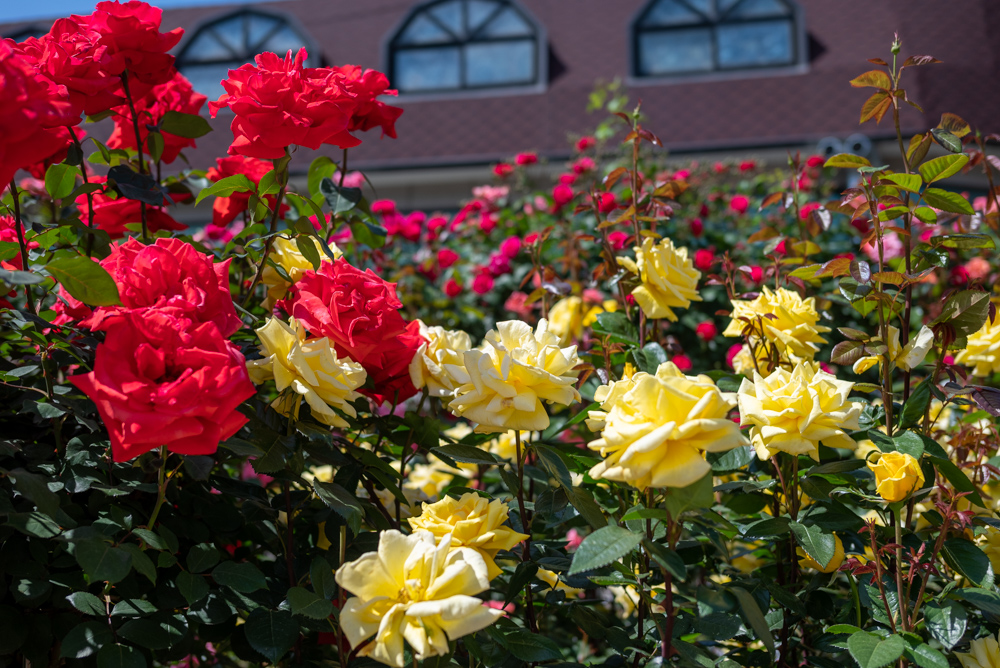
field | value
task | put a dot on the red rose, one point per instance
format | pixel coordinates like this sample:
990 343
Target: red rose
69 309
583 143
446 257
706 331
65 141
483 282
756 273
487 222
562 195
172 276
277 102
815 161
739 204
567 179
683 362
748 166
809 208
697 227
366 86
606 203
225 209
130 33
8 234
113 213
510 247
32 111
383 207
525 159
704 259
452 288
618 239
173 95
160 379
359 313
584 165
503 169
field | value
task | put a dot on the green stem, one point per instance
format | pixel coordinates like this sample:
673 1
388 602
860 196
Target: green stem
270 239
161 493
138 145
526 527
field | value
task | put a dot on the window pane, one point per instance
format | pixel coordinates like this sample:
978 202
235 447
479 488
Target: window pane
479 11
258 28
508 23
675 51
759 9
500 63
230 33
426 69
206 46
283 40
422 30
206 79
671 13
450 15
755 44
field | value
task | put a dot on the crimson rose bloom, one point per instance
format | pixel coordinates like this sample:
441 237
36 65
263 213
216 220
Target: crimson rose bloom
32 110
112 213
277 102
366 86
8 234
174 95
359 313
160 379
70 55
225 209
130 33
65 140
171 276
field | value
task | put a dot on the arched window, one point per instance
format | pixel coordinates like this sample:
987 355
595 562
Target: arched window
464 44
673 37
232 40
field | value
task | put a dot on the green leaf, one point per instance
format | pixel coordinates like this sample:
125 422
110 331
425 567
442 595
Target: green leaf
925 214
102 562
145 633
926 656
963 241
140 562
616 325
271 632
60 180
192 587
910 182
531 647
968 559
602 547
155 145
583 500
307 247
696 495
320 168
731 460
243 577
947 201
35 488
307 604
980 599
201 557
87 603
947 139
321 576
966 311
943 167
120 656
958 479
817 544
916 405
237 183
85 640
150 538
847 160
189 126
132 607
337 198
909 443
870 651
85 280
752 613
466 453
554 464
342 502
666 558
368 234
946 620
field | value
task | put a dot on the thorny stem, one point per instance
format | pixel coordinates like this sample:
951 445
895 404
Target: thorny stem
161 489
525 526
878 578
290 554
19 227
883 326
937 550
901 601
270 239
90 196
138 145
904 329
343 169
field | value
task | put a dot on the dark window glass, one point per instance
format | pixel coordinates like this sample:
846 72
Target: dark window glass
688 36
464 44
232 41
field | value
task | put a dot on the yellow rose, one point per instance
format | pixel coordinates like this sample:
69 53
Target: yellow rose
982 351
905 357
441 347
472 522
805 561
286 254
310 369
654 428
627 599
569 316
793 411
991 546
983 653
788 321
511 375
669 279
416 589
747 562
551 578
896 475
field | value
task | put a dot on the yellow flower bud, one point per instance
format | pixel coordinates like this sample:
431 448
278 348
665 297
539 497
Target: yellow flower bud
991 546
805 561
472 522
286 254
793 411
788 321
897 474
417 589
983 653
668 278
310 369
441 347
905 357
982 350
654 428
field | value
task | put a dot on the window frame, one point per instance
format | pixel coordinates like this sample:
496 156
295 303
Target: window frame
539 83
798 65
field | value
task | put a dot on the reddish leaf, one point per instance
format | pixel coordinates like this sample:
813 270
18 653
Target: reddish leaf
875 106
839 266
611 179
763 234
878 61
914 61
773 198
954 124
872 79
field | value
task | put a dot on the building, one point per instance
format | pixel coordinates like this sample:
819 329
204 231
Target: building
483 79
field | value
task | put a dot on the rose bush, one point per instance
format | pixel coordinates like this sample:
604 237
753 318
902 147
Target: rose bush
712 414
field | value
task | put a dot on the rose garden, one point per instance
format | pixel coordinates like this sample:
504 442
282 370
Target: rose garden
730 414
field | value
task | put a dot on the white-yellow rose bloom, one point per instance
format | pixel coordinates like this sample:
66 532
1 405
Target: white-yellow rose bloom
310 369
441 347
472 522
906 357
569 316
655 428
792 411
286 254
788 321
982 349
511 375
983 653
668 278
417 589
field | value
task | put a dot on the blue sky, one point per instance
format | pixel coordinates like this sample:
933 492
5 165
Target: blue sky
11 11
